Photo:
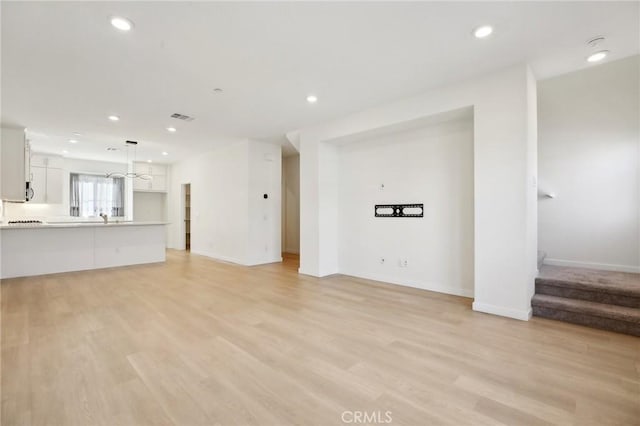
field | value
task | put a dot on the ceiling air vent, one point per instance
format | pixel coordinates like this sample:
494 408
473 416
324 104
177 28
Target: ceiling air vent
181 117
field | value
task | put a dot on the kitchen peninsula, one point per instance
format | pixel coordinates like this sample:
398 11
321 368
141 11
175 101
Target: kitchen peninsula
46 248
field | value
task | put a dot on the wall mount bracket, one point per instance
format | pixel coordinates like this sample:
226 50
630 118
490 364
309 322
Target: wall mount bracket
399 210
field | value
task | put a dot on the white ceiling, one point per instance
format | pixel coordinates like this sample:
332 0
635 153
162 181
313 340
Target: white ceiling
65 68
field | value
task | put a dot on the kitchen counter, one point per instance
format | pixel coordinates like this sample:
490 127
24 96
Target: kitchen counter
37 249
100 224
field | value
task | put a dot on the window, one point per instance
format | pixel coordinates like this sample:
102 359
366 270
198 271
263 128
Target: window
90 195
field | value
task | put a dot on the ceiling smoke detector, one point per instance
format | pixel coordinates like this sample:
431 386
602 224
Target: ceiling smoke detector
597 53
595 41
181 117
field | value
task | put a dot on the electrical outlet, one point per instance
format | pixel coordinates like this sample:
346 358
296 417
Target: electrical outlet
382 260
403 262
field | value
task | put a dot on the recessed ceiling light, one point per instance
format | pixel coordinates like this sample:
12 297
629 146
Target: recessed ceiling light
312 99
73 141
114 118
483 31
123 24
597 56
165 153
217 90
77 134
171 129
149 161
65 152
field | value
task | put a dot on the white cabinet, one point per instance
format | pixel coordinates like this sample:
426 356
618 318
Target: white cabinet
141 184
47 160
55 180
158 181
38 183
47 185
158 170
47 177
14 164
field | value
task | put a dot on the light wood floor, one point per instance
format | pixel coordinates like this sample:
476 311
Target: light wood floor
197 342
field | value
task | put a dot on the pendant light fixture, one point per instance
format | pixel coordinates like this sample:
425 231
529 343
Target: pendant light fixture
130 175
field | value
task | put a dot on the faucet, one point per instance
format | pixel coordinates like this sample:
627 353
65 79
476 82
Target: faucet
105 218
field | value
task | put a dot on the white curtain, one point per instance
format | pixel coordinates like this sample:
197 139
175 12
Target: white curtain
74 194
93 194
117 203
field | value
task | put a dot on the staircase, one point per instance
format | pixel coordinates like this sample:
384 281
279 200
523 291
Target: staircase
599 299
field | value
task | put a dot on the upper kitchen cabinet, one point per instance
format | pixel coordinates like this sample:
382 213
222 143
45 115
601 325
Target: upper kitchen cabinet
47 178
47 160
14 165
158 181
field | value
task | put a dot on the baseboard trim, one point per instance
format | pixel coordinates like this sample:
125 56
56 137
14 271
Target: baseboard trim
591 265
220 258
234 260
265 262
315 274
438 288
502 311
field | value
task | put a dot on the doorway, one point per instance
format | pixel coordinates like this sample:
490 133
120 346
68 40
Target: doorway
186 190
291 206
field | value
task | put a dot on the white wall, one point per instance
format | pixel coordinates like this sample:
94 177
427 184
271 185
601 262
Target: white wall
227 209
219 203
531 182
265 174
504 183
432 166
589 149
52 212
149 206
291 204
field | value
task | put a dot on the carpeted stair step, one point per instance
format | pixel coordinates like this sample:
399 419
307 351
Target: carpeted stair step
620 319
613 288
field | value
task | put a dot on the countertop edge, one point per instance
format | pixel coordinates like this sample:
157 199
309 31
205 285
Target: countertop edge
79 225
